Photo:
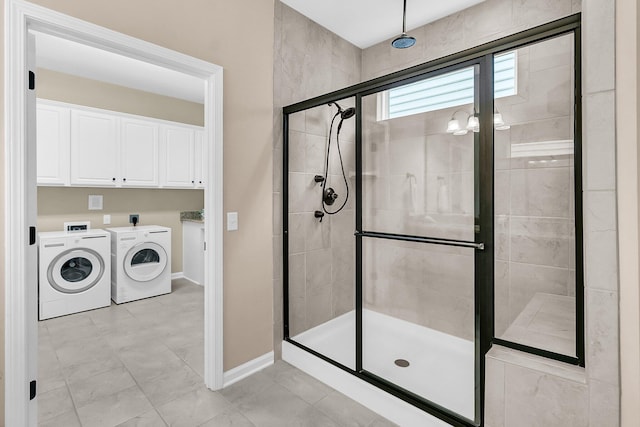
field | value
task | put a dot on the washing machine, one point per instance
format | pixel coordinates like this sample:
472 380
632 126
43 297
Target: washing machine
140 262
74 272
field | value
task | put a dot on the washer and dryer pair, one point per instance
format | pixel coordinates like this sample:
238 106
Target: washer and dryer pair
85 270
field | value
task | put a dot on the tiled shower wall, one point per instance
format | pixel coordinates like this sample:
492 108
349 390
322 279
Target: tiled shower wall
520 390
534 197
310 61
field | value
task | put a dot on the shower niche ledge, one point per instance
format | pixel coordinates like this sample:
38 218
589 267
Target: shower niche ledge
352 174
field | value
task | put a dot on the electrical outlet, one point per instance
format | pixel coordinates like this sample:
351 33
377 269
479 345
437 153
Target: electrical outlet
134 219
106 219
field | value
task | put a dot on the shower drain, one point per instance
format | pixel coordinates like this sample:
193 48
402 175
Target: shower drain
401 362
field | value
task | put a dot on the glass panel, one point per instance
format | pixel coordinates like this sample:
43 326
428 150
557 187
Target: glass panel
76 269
534 202
145 256
418 170
419 307
320 235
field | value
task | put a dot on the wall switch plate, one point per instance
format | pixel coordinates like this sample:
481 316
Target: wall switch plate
106 219
232 221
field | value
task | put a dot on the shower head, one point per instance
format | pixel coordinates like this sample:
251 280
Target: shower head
344 114
348 113
403 41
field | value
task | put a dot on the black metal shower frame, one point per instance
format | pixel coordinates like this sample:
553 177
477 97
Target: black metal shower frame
481 56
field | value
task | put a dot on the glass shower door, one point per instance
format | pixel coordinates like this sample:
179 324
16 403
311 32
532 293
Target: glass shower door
417 238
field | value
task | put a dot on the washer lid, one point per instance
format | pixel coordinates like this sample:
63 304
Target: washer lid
145 261
75 270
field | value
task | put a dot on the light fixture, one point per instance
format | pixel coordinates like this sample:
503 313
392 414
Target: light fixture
472 124
403 41
498 122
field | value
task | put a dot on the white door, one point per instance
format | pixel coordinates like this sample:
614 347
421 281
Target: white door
94 151
138 153
53 127
177 164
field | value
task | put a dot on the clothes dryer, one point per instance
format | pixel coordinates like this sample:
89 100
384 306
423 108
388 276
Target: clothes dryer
74 272
140 262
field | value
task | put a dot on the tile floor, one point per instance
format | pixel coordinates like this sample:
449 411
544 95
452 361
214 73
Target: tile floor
141 364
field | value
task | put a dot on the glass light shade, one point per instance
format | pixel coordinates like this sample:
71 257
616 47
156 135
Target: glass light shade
498 122
473 124
453 126
461 132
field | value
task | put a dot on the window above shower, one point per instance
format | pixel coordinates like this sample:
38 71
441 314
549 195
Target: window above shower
449 90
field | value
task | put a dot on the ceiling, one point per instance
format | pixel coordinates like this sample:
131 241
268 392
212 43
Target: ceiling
361 22
65 56
368 22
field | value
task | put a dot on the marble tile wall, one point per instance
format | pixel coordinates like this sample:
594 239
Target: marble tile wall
309 61
534 204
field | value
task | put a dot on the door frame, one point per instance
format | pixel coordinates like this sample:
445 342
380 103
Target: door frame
20 16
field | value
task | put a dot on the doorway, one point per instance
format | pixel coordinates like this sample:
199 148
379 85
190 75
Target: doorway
20 163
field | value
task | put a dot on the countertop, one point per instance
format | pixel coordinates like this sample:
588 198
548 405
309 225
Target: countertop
192 216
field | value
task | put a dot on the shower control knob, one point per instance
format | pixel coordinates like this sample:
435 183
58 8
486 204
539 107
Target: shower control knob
318 178
329 196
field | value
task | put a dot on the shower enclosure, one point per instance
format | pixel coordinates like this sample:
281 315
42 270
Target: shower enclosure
393 225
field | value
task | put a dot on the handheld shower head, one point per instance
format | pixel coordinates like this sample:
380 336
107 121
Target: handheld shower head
344 114
348 113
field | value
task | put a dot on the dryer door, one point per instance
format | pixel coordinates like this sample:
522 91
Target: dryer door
145 261
75 270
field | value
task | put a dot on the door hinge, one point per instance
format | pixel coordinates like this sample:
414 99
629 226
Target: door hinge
32 236
205 246
32 390
32 80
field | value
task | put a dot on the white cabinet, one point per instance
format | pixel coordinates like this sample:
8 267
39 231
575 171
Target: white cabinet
53 127
94 152
87 147
193 251
138 153
177 157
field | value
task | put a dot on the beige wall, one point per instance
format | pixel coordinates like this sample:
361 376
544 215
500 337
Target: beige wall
628 157
92 93
155 207
202 29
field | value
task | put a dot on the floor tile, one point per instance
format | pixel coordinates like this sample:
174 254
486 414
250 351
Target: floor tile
114 409
382 422
86 368
247 388
171 384
194 408
311 417
273 407
151 361
53 403
299 383
89 389
193 356
229 418
148 419
346 412
67 419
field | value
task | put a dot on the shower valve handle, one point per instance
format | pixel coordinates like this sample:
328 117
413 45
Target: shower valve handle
329 196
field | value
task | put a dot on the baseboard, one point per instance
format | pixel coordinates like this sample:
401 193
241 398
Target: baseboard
178 275
251 367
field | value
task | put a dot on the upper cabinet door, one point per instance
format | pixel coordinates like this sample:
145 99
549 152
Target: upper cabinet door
200 159
94 149
138 153
177 157
53 124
